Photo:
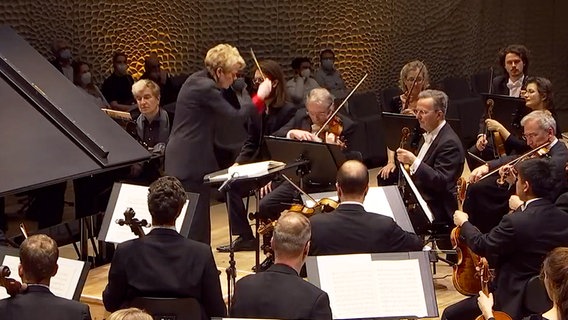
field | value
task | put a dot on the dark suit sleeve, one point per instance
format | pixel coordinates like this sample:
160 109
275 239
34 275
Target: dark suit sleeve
321 309
499 240
562 202
445 168
291 124
252 142
211 289
114 294
220 105
86 313
403 241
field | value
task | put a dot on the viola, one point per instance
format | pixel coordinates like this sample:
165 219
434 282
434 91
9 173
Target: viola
12 286
485 277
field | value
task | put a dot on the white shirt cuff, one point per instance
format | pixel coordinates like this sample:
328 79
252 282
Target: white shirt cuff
415 165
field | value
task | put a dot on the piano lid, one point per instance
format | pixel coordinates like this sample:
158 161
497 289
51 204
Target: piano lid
50 130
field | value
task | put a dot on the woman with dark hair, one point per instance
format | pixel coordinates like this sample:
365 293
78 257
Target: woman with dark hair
83 79
555 275
279 110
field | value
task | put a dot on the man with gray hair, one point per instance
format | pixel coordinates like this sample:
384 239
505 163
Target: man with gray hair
38 264
439 163
280 293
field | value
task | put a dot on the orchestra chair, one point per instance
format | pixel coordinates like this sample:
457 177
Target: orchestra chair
536 299
169 308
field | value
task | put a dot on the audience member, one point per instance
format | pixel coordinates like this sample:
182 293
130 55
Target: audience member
38 264
63 58
83 79
185 267
153 71
302 83
117 87
328 77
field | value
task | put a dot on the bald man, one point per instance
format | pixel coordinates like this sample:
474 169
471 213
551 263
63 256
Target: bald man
351 229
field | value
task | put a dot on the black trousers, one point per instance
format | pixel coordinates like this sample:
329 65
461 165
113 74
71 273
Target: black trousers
466 309
278 200
238 217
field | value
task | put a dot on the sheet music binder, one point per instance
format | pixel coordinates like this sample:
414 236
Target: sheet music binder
314 268
81 269
109 226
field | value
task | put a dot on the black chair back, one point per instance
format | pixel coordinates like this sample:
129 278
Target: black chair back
169 308
536 299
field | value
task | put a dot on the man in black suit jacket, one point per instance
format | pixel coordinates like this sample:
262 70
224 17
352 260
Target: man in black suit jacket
350 229
439 163
486 201
279 293
164 263
190 151
517 246
38 263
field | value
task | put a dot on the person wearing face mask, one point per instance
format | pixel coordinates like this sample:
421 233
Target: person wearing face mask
153 71
117 87
302 83
190 151
62 58
328 77
278 112
83 80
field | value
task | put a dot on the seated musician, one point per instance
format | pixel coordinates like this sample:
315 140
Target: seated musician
517 246
440 160
514 62
486 201
414 79
351 229
38 264
164 263
554 273
280 293
279 110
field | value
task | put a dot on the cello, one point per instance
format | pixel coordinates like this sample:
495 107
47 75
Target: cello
134 224
13 287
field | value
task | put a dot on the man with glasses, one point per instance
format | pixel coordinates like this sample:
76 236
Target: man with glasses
487 202
439 163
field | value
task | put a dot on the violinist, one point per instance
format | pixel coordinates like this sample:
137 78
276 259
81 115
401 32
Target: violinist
350 229
164 264
413 79
38 264
440 160
486 201
278 112
516 247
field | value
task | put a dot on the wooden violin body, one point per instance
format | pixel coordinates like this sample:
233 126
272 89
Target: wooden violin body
465 276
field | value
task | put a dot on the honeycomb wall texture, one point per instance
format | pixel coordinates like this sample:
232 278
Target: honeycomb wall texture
453 38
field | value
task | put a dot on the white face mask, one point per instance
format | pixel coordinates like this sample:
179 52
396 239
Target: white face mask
122 67
305 73
327 64
86 78
65 54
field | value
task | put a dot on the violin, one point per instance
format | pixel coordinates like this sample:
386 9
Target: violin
485 277
12 286
406 109
498 142
323 205
134 224
333 124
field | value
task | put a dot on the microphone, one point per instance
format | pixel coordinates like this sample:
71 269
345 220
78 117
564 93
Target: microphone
227 182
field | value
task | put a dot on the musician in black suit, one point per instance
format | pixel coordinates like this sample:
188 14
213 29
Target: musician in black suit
278 112
38 263
164 263
280 293
190 150
519 243
351 229
303 126
439 163
486 201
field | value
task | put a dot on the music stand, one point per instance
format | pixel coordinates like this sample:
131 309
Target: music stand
249 182
507 110
323 159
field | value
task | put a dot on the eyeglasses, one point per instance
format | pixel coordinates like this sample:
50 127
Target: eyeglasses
412 79
530 135
257 81
423 112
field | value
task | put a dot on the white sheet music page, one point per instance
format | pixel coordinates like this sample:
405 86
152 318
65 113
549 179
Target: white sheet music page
376 202
63 284
361 288
135 197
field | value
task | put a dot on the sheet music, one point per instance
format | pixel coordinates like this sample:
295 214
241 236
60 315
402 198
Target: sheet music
361 288
421 200
247 170
135 197
375 201
63 284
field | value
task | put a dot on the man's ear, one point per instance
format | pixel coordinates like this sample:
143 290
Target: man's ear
55 270
526 186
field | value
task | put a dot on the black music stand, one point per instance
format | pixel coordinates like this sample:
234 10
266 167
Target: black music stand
322 159
507 110
250 182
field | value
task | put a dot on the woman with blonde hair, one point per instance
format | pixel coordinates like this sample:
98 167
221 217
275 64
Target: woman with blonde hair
190 151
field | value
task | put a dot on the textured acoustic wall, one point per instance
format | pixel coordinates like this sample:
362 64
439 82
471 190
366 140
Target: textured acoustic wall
454 38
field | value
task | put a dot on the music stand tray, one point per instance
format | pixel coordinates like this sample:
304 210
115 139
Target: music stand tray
324 159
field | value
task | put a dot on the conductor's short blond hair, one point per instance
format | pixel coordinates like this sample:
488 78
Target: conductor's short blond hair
223 56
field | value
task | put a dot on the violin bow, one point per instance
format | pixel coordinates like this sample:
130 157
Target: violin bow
257 64
342 104
298 188
24 230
